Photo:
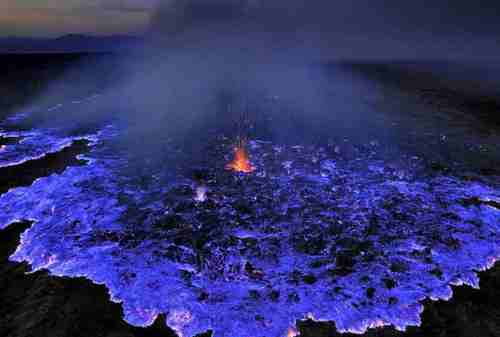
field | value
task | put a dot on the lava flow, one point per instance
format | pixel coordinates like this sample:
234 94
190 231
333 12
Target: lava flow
241 162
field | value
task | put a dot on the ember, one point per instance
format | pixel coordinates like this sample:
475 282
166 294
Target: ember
241 163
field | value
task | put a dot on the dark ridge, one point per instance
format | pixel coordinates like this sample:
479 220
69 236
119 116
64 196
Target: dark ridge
26 173
38 304
27 76
477 97
69 44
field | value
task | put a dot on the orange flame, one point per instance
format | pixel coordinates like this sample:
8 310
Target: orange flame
241 162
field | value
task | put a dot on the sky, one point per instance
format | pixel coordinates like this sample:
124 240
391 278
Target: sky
431 29
427 28
52 18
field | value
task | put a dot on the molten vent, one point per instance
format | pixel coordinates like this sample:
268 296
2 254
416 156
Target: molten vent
241 162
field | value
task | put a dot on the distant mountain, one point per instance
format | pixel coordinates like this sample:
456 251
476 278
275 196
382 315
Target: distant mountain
71 43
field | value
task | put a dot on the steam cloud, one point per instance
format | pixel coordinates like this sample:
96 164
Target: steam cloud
203 54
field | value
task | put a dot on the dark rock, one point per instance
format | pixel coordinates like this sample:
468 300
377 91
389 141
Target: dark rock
186 275
399 267
438 167
274 295
253 294
318 263
203 296
259 318
169 222
242 206
451 216
293 297
452 243
309 279
389 283
253 272
201 174
38 304
295 277
345 259
177 254
185 206
373 226
437 272
26 173
312 244
365 279
182 190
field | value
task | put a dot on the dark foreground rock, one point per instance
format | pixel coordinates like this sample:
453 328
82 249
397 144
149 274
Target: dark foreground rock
38 305
26 173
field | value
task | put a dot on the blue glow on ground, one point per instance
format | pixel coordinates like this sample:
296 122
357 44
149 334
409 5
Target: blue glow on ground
360 242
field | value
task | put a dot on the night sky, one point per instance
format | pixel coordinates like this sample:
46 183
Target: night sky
49 18
53 17
427 28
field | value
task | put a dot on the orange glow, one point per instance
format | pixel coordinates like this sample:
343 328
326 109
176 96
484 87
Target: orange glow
292 332
241 162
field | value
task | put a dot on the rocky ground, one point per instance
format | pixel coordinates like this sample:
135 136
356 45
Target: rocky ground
37 304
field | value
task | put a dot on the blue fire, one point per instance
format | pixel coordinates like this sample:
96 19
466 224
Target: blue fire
356 241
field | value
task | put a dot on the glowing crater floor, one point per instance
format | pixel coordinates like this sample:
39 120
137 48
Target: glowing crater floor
310 233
